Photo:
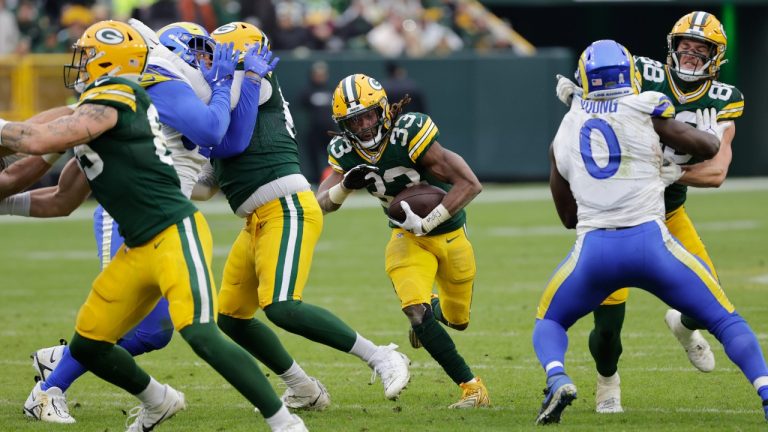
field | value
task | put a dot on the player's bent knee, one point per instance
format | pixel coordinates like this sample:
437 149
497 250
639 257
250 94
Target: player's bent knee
201 338
459 327
157 339
283 313
418 313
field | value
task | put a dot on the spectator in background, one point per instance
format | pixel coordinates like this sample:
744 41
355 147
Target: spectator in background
356 21
198 11
291 32
315 100
260 13
74 20
31 26
398 84
9 31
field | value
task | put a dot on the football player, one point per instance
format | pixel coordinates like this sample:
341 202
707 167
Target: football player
617 207
696 48
167 248
268 265
384 150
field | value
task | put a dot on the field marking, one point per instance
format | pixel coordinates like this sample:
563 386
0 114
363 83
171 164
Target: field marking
762 279
492 194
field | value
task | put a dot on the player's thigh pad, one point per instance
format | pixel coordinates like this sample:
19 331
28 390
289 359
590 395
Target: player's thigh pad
411 267
182 265
239 295
288 231
680 225
456 270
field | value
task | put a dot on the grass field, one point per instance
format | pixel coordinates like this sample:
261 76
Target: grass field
47 267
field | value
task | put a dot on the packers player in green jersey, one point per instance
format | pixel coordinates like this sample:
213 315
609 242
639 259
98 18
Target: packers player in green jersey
696 50
385 151
268 265
115 133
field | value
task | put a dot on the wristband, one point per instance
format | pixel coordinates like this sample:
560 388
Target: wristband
2 125
338 193
51 158
437 216
17 205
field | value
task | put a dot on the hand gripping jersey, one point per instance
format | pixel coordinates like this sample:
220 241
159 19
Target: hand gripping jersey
129 167
271 154
726 98
610 154
412 135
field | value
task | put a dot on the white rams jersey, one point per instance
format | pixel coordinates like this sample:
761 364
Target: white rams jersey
188 163
610 154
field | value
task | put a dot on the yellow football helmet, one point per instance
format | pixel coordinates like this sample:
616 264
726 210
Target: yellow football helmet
110 48
702 27
242 35
356 95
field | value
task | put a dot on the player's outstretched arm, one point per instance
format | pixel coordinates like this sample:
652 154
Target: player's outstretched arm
21 175
685 138
565 203
711 173
324 194
451 168
62 199
84 125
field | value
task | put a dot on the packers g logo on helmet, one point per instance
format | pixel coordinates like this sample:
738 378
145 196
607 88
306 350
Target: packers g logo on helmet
110 48
702 27
355 95
242 35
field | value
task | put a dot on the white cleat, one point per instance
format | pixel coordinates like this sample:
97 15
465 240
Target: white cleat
45 360
699 353
296 425
149 417
608 395
47 405
392 367
310 395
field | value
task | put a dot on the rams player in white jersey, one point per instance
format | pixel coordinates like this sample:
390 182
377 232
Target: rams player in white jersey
607 180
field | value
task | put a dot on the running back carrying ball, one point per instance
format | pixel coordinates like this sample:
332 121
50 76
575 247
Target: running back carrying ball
422 198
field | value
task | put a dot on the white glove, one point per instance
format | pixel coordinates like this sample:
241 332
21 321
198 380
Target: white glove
412 223
670 172
565 89
706 121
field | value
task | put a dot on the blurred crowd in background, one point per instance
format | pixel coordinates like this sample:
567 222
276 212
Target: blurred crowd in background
392 28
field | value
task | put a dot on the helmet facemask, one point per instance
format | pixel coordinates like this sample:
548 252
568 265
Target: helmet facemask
703 64
367 138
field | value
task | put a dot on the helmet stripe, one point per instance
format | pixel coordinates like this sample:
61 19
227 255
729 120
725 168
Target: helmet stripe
350 92
699 20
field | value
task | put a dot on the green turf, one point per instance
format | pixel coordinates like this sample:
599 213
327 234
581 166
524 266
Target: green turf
47 268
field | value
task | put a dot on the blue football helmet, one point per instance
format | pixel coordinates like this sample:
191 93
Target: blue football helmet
606 71
187 40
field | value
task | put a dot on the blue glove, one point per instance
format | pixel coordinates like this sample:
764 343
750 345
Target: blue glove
260 63
223 66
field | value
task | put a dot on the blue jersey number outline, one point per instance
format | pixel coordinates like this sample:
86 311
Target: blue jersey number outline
614 150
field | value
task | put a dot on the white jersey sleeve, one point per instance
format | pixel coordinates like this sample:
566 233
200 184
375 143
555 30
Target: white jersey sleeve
610 154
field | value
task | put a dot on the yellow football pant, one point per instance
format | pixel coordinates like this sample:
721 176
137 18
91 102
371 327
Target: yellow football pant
415 263
175 264
272 255
681 227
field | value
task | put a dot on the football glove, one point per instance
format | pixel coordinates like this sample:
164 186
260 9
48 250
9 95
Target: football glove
223 66
413 223
706 120
670 172
259 63
565 89
357 177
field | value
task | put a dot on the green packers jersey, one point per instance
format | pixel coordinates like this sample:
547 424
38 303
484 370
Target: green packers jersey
727 99
397 160
271 154
128 167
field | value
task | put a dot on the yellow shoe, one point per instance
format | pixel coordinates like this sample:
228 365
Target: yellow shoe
473 395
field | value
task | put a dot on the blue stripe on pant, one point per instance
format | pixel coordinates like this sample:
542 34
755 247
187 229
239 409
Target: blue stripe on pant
645 256
152 333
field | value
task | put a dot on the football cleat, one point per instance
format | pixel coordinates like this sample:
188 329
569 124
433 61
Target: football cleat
47 405
699 353
296 425
608 394
473 395
311 395
557 397
146 418
45 360
392 367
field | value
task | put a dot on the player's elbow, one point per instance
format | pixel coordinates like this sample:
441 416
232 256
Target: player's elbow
709 149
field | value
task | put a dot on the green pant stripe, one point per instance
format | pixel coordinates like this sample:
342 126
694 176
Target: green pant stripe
299 238
285 273
196 269
208 279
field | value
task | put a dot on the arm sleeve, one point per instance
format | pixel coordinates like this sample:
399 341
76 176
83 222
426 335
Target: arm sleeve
179 108
243 123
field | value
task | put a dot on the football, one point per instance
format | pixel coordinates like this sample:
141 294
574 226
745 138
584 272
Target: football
422 198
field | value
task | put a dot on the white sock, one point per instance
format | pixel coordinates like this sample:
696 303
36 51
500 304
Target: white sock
152 395
294 376
363 348
281 417
611 380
